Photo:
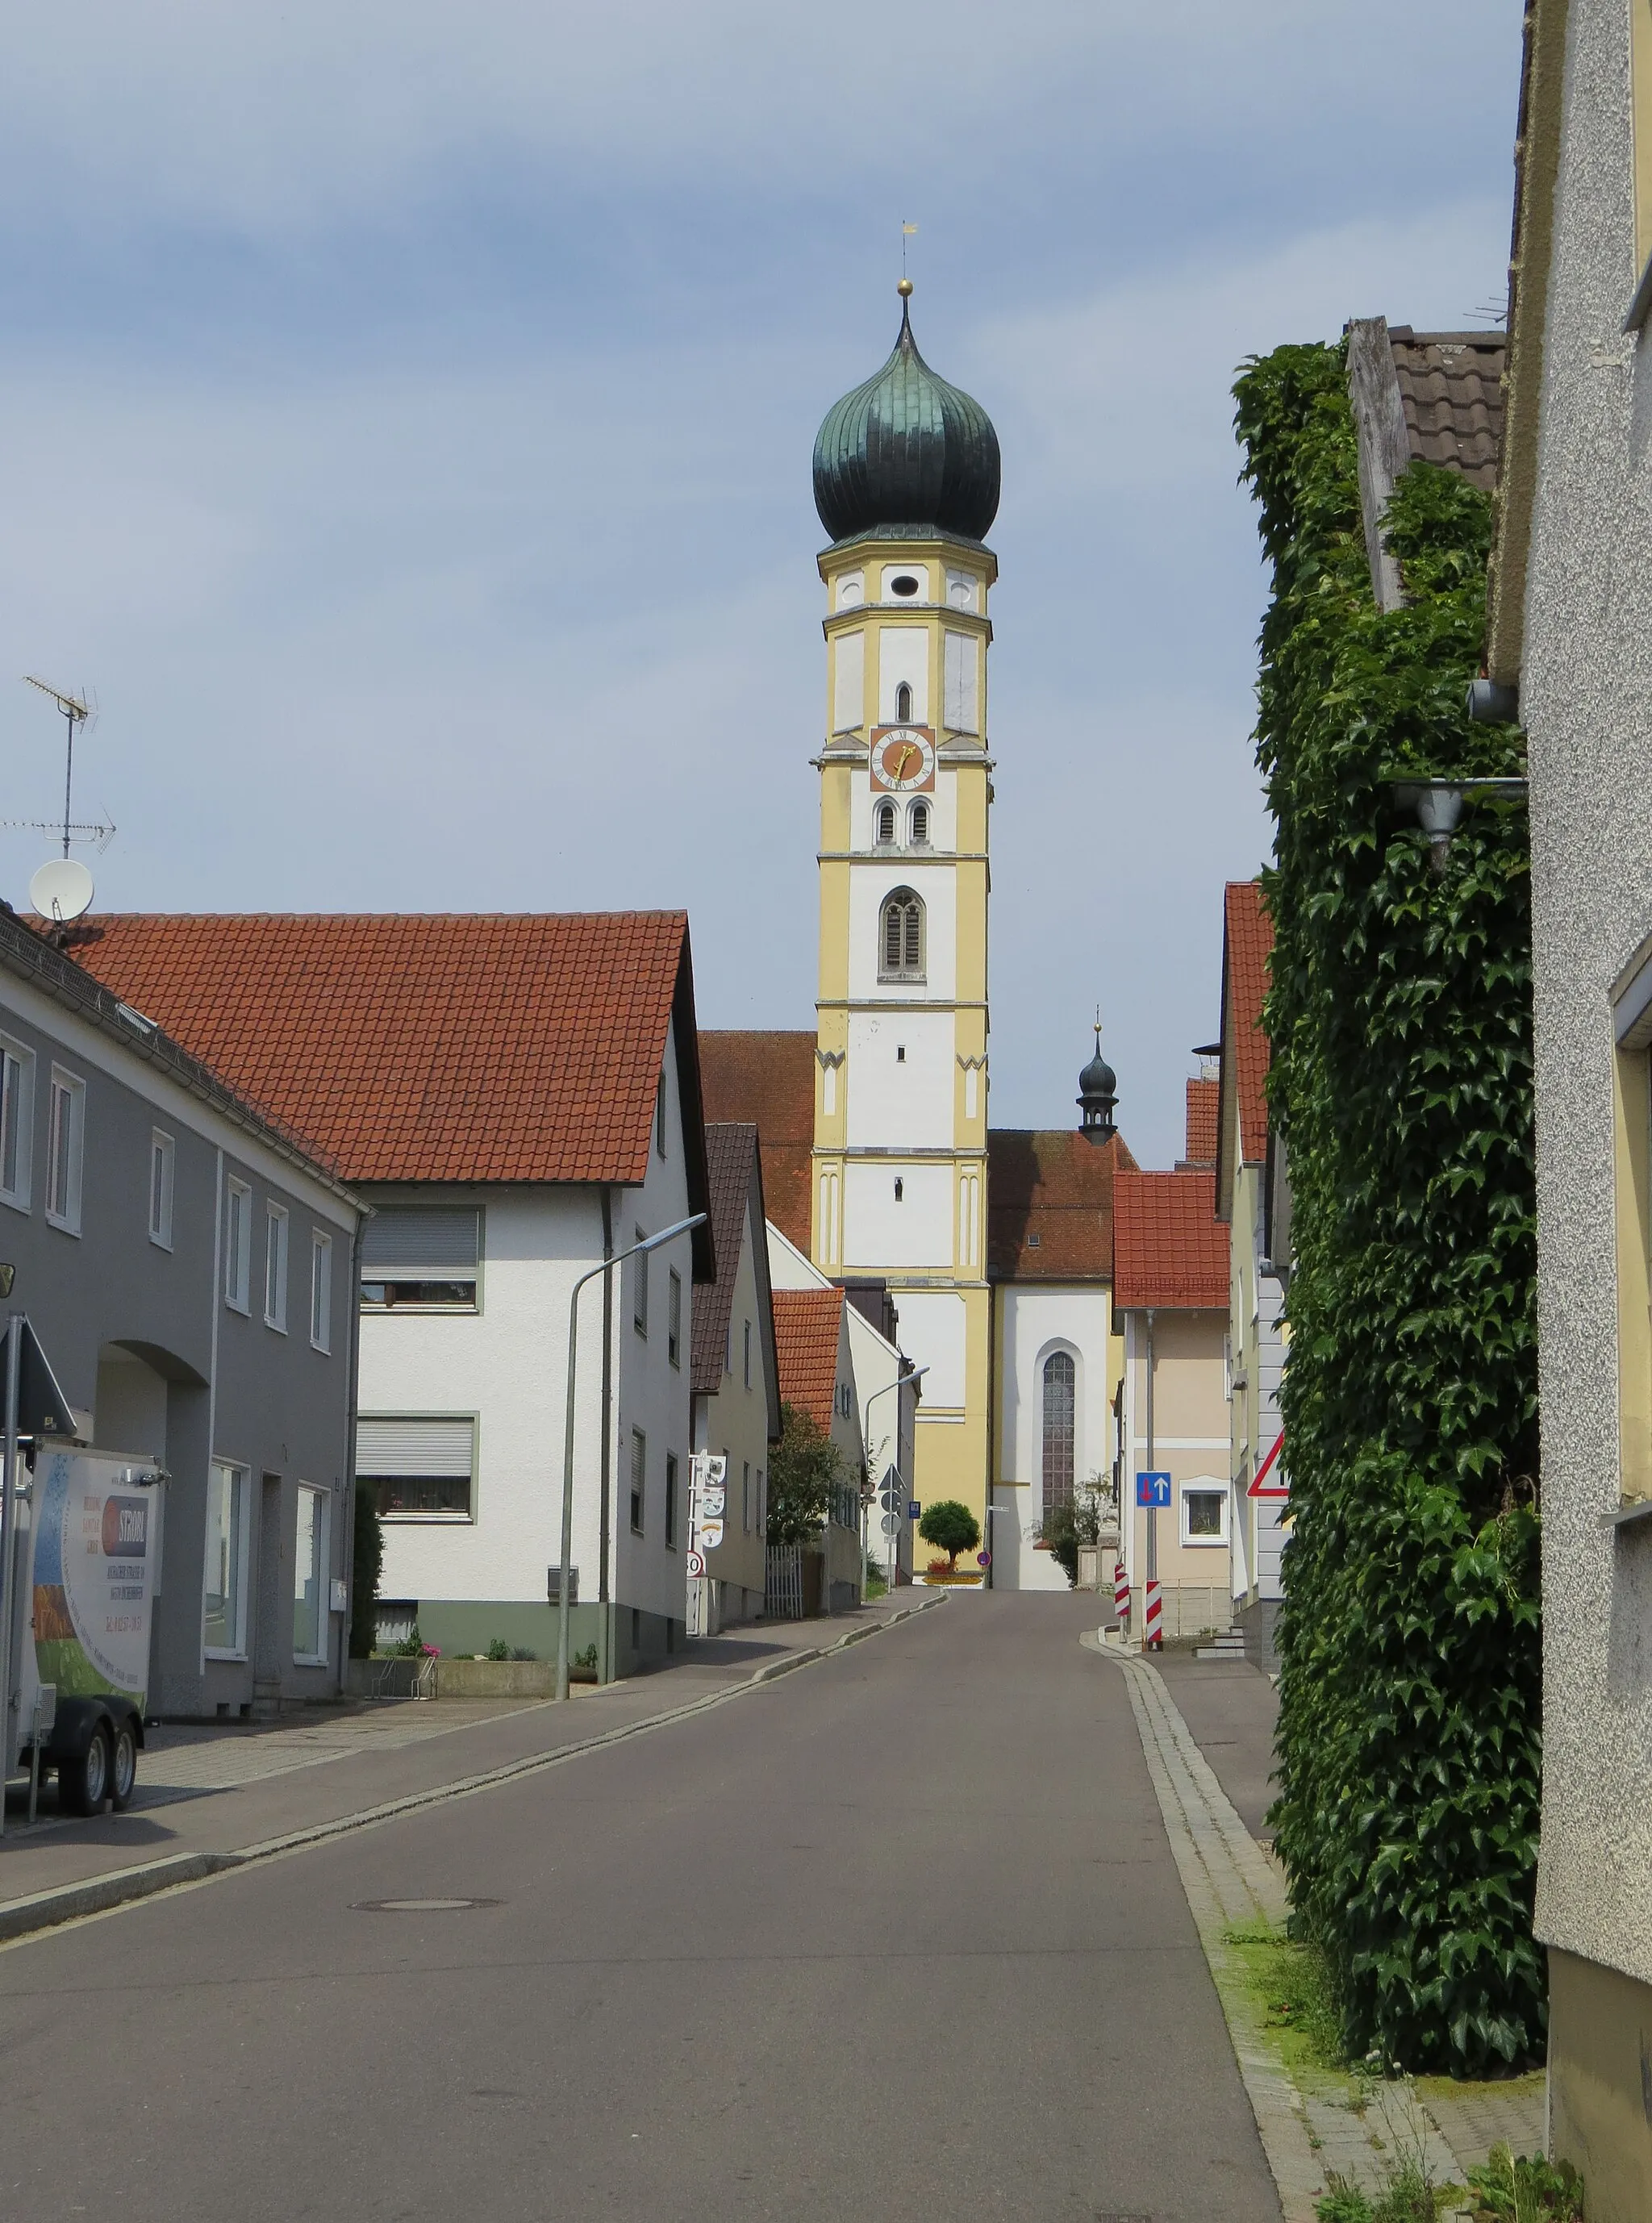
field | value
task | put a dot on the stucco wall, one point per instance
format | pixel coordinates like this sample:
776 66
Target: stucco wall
1585 685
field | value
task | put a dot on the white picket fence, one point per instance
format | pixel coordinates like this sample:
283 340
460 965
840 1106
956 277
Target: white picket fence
782 1582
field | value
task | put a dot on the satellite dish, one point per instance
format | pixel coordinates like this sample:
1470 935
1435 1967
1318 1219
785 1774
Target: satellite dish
61 888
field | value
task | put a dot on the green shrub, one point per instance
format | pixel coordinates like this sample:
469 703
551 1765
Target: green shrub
1399 1016
586 1661
498 1649
365 1568
1526 2189
951 1527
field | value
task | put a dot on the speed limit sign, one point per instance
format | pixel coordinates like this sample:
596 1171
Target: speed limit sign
696 1563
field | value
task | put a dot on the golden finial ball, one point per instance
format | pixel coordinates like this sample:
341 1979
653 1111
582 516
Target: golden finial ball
905 287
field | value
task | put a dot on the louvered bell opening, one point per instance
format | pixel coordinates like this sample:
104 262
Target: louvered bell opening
892 919
912 939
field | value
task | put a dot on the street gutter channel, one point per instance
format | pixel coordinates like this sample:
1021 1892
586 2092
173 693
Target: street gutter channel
26 1918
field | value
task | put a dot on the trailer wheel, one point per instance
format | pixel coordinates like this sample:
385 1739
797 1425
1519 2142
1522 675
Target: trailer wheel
83 1783
122 1772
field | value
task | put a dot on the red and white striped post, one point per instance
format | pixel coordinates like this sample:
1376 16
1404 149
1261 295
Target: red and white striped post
1120 1591
1153 1620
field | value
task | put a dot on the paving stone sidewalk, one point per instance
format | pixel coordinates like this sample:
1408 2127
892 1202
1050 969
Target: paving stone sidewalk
1309 2127
213 1797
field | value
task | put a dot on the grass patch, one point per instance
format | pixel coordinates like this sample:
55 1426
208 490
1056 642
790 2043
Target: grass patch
1291 1986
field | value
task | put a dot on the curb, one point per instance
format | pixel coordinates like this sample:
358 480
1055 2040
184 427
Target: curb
22 1918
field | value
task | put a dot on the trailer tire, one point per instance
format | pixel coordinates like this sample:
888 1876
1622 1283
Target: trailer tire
122 1768
83 1783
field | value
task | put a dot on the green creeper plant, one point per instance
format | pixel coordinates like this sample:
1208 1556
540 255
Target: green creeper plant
1400 1023
951 1527
365 1567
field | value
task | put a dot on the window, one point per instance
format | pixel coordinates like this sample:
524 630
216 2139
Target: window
162 1159
1060 1381
321 1291
674 1317
66 1148
1204 1513
640 1287
747 1362
237 1247
900 1189
919 835
884 824
659 1117
900 1053
421 1466
903 704
224 1630
16 1123
310 1578
639 1477
671 1499
421 1261
746 1495
275 1267
901 951
762 1502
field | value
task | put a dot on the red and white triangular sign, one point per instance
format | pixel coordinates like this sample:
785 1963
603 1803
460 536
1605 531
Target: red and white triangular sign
1279 1489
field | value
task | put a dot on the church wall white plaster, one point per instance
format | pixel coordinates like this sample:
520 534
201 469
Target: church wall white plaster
849 690
934 1334
903 656
881 1234
900 1103
961 710
869 883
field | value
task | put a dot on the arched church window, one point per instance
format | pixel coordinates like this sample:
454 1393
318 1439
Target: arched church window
886 822
920 825
901 952
1059 1384
903 704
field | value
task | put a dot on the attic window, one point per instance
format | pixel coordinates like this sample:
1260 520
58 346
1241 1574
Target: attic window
1034 1242
905 585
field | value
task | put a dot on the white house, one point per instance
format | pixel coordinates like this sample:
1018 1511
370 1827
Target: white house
517 1097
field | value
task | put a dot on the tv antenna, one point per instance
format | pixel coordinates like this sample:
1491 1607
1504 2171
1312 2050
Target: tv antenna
75 713
61 890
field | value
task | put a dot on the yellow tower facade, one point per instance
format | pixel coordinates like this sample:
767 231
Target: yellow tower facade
906 475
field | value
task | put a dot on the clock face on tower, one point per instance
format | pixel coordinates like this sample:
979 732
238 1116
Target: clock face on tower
902 757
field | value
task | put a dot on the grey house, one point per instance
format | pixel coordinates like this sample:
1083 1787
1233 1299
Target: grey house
189 1271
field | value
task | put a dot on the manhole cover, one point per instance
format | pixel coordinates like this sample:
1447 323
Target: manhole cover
420 1905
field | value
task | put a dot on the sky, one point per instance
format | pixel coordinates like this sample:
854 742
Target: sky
408 412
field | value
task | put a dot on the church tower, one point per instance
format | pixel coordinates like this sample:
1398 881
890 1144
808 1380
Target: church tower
906 483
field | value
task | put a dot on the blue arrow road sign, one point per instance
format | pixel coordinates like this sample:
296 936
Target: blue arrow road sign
1154 1489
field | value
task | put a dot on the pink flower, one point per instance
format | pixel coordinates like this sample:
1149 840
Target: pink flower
432 1651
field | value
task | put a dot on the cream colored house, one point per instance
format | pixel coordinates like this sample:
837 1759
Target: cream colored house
735 1380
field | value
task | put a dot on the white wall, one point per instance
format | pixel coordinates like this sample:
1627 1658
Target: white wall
944 814
1036 1321
904 654
900 1103
869 884
933 1323
879 1235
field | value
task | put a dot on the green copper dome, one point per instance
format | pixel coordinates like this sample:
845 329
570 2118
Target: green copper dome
907 450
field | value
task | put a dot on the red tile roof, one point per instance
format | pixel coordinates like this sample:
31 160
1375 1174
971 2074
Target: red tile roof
1170 1249
1203 1100
1451 388
808 1325
1049 1204
768 1077
1248 945
429 1048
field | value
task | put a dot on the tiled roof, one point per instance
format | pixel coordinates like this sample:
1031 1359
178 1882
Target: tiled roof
768 1078
808 1324
1451 386
429 1048
1247 946
1049 1204
731 1155
1169 1248
1203 1100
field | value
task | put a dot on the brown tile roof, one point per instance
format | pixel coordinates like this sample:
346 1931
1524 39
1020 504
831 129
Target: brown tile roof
768 1078
431 1048
1203 1100
1169 1248
1248 945
808 1324
731 1162
1049 1204
1451 386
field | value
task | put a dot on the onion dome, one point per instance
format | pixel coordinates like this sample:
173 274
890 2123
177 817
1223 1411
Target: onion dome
906 451
1098 1093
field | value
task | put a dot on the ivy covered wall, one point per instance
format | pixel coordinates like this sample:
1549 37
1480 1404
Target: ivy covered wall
1400 1019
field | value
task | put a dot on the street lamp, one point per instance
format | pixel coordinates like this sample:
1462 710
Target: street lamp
899 1383
595 1273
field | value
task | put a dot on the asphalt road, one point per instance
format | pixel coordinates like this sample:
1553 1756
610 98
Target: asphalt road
896 1936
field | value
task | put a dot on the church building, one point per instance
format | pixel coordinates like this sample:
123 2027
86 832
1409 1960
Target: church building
993 1248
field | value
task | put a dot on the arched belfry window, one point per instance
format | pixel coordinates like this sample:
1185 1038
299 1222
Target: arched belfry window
885 826
1059 1384
903 704
920 825
901 951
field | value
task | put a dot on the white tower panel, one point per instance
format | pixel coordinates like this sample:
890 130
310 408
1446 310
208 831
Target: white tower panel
900 1080
903 656
849 685
884 1231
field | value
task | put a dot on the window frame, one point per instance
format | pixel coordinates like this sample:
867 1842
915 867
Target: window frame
746 1360
674 1317
1047 1381
639 1286
432 1516
240 1483
71 1089
321 1292
886 813
322 1560
639 1481
163 1161
905 972
1204 1485
16 1123
672 1473
237 1254
276 1219
661 1108
920 818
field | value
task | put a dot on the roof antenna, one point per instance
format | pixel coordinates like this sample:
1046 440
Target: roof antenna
907 231
61 890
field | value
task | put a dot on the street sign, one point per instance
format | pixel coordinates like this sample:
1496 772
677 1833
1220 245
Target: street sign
696 1563
914 1510
891 1496
890 1524
983 1558
710 1534
1154 1490
1276 1490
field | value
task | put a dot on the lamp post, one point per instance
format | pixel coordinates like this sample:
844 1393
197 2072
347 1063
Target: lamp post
898 1383
595 1273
